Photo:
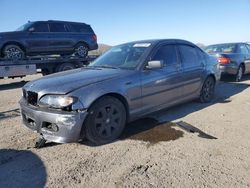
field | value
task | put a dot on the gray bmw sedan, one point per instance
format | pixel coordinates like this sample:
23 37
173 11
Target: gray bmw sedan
126 83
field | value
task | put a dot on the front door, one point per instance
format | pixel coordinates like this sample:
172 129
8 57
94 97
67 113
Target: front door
161 86
38 39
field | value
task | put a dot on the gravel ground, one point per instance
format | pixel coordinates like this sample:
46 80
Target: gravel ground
152 152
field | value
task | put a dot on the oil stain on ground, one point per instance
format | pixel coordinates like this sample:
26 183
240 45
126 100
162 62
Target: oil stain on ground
150 130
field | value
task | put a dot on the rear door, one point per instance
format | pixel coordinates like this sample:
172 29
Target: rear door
81 32
60 39
161 86
38 40
193 66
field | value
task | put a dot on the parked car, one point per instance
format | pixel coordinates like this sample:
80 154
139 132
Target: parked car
126 83
234 58
48 37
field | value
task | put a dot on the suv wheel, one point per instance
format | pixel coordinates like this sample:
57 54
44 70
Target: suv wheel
239 74
207 91
13 52
106 120
81 50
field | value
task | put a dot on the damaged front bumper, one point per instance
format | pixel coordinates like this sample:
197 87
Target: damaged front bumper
53 125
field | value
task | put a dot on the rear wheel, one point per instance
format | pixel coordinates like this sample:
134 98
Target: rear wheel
106 120
240 72
45 72
65 67
207 91
13 52
81 50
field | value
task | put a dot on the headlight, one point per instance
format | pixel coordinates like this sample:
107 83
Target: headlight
57 101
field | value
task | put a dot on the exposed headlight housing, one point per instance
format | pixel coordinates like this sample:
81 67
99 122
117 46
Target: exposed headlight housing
57 101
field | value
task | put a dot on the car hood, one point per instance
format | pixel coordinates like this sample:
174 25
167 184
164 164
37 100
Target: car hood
68 81
10 33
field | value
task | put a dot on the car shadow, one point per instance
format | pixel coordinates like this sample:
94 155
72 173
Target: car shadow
21 168
231 78
14 85
10 114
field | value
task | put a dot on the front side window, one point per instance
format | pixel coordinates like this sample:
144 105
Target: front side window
125 56
24 27
189 56
167 53
41 27
57 27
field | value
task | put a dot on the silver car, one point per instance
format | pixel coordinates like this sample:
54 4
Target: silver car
128 82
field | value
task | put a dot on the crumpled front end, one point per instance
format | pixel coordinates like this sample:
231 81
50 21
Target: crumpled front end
54 125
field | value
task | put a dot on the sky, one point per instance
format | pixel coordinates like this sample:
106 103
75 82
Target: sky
120 21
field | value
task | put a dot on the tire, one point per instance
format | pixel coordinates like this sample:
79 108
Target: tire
45 72
105 121
65 67
240 72
13 52
207 91
81 50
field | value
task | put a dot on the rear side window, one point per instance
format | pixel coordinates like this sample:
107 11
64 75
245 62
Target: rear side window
57 27
243 49
221 48
41 27
248 47
83 28
167 53
189 56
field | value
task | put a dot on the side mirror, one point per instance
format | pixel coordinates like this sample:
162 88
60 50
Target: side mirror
156 64
32 29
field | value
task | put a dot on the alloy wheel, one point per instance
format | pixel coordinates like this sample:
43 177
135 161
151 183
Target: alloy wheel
208 89
107 120
13 53
81 51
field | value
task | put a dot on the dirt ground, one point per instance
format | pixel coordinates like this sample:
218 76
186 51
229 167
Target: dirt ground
150 153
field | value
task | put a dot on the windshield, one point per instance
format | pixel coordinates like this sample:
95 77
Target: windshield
24 27
221 48
126 56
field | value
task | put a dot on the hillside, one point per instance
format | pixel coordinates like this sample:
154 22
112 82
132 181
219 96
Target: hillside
101 49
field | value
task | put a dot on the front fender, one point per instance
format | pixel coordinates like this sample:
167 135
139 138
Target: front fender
88 95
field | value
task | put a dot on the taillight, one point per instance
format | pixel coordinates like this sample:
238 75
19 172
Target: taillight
223 60
94 37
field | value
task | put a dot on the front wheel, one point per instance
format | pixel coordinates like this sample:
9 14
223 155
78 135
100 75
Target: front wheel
13 52
106 120
207 91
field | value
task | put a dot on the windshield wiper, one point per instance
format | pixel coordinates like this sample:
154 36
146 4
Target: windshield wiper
104 66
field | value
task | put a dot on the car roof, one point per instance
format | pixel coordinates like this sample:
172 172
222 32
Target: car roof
157 41
228 43
61 21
